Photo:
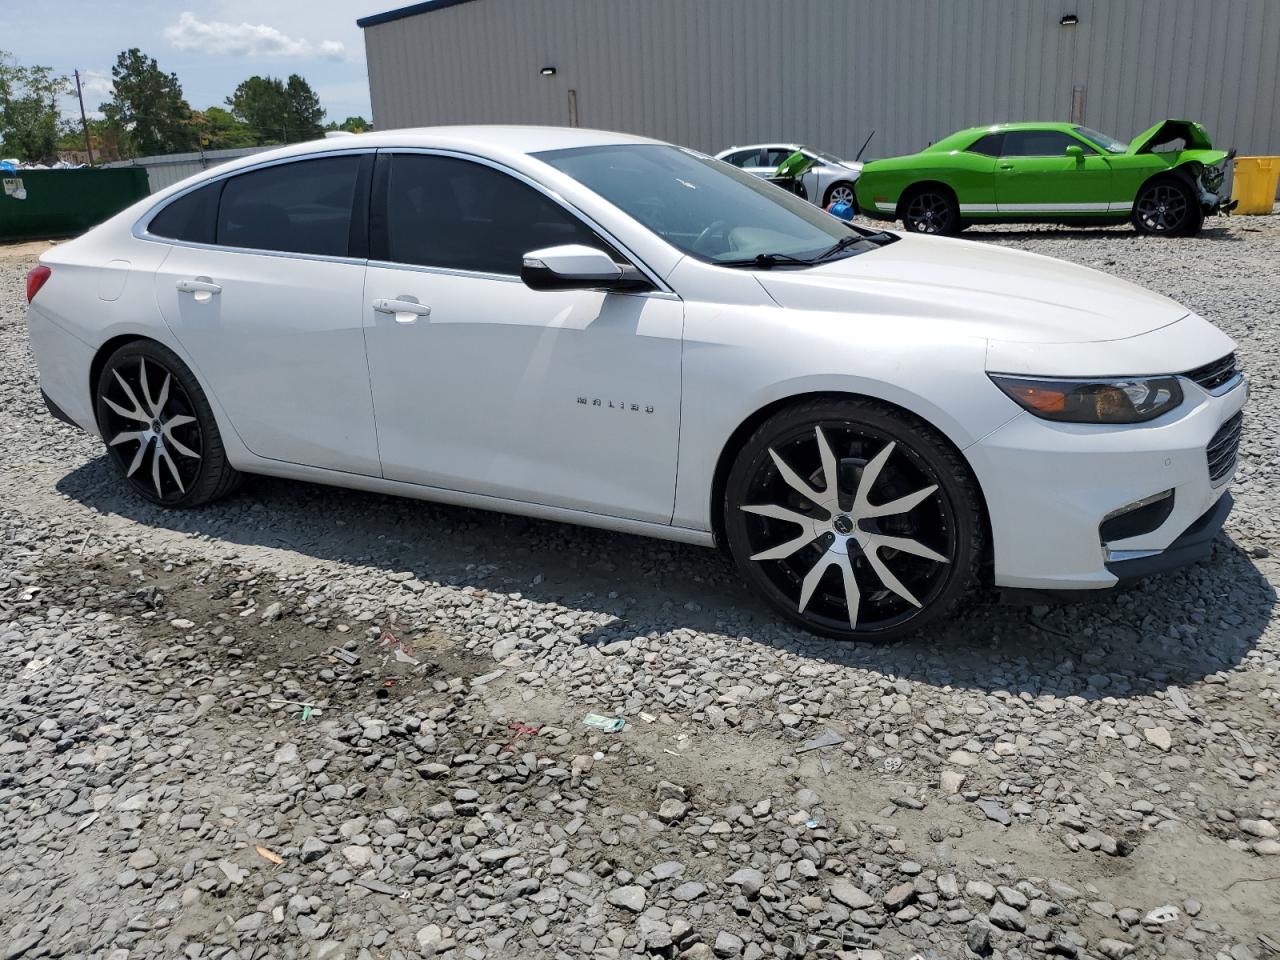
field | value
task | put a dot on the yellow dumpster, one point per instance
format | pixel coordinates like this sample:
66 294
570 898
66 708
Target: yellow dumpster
1254 183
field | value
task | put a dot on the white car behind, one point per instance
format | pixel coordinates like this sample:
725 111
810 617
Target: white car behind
829 180
614 331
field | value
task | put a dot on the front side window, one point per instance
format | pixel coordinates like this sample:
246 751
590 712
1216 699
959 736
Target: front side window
454 213
1039 143
774 156
299 207
700 207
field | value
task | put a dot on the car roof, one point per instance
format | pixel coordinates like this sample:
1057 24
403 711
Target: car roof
1021 125
758 146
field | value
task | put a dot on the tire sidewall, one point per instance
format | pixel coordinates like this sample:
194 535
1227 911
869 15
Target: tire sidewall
961 496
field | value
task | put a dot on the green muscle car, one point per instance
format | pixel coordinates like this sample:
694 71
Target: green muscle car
1165 181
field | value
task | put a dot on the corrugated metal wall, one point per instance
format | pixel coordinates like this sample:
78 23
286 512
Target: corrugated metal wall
712 73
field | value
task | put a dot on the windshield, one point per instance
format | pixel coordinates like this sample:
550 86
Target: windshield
1107 143
824 156
703 207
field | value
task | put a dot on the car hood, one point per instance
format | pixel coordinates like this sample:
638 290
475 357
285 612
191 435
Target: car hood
976 289
1166 131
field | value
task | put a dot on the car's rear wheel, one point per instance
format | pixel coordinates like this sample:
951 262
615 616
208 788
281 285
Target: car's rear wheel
841 192
159 429
1166 207
888 546
930 209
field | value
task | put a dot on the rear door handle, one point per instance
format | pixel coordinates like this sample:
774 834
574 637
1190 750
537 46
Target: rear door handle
199 285
404 310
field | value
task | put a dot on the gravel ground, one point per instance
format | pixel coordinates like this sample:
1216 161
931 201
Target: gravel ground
315 723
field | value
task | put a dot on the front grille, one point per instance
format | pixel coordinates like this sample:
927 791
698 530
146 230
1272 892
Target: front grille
1221 451
1213 375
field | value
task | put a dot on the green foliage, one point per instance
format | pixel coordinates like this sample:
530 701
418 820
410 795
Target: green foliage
278 111
220 130
147 108
351 125
30 121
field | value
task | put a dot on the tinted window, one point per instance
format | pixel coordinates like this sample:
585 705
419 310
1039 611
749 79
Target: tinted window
774 156
302 207
744 158
1039 143
446 212
988 145
191 217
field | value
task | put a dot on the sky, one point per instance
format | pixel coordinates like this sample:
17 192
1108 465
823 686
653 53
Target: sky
211 45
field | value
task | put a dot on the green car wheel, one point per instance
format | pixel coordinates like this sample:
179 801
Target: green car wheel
930 209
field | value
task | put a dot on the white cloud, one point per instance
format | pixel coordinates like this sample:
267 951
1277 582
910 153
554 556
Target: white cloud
245 39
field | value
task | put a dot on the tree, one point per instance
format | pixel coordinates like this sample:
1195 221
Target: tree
218 129
278 111
147 106
351 125
30 121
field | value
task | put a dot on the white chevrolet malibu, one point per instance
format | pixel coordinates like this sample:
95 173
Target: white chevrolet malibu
613 331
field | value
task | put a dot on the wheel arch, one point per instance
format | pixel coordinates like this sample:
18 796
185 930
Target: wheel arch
842 182
104 352
724 461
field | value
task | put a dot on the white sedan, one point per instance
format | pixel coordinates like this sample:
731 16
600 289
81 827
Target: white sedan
618 332
829 180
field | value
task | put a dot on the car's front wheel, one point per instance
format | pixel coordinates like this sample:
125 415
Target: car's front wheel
159 429
1166 207
930 209
853 519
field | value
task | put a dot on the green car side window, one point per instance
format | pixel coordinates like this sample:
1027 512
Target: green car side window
1040 143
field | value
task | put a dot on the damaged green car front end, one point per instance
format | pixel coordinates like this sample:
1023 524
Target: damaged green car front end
1195 158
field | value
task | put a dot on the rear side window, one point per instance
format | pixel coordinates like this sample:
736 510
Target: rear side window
192 217
989 145
1040 143
301 207
744 158
447 212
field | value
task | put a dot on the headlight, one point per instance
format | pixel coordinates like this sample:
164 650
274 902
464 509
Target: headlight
1122 400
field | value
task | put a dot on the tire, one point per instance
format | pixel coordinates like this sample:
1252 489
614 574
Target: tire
930 209
1166 207
788 546
840 190
159 429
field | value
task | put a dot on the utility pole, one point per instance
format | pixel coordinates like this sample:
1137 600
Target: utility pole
84 122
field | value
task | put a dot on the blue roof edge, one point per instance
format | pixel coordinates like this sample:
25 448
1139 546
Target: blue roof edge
427 6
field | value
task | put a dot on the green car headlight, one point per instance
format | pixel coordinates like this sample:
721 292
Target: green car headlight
1119 400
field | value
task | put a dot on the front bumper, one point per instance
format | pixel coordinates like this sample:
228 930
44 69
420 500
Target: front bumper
1049 486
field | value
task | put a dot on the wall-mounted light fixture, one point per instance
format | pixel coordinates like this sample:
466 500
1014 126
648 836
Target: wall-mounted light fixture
1070 20
548 71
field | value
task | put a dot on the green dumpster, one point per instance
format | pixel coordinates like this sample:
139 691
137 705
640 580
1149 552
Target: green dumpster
36 204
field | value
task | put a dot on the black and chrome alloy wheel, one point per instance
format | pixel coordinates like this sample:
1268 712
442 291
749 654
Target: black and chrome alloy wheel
853 522
158 427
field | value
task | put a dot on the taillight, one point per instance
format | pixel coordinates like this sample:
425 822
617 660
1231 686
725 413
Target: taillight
36 278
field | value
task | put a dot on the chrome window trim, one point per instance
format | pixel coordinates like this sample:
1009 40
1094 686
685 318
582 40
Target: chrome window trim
140 229
651 275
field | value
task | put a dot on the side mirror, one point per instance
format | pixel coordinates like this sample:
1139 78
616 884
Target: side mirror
575 266
1075 151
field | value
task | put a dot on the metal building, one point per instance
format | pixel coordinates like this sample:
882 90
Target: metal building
713 73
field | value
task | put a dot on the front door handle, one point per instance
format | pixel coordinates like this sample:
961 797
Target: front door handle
1004 166
402 308
199 285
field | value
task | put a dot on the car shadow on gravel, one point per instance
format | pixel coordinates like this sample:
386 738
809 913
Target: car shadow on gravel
1169 631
